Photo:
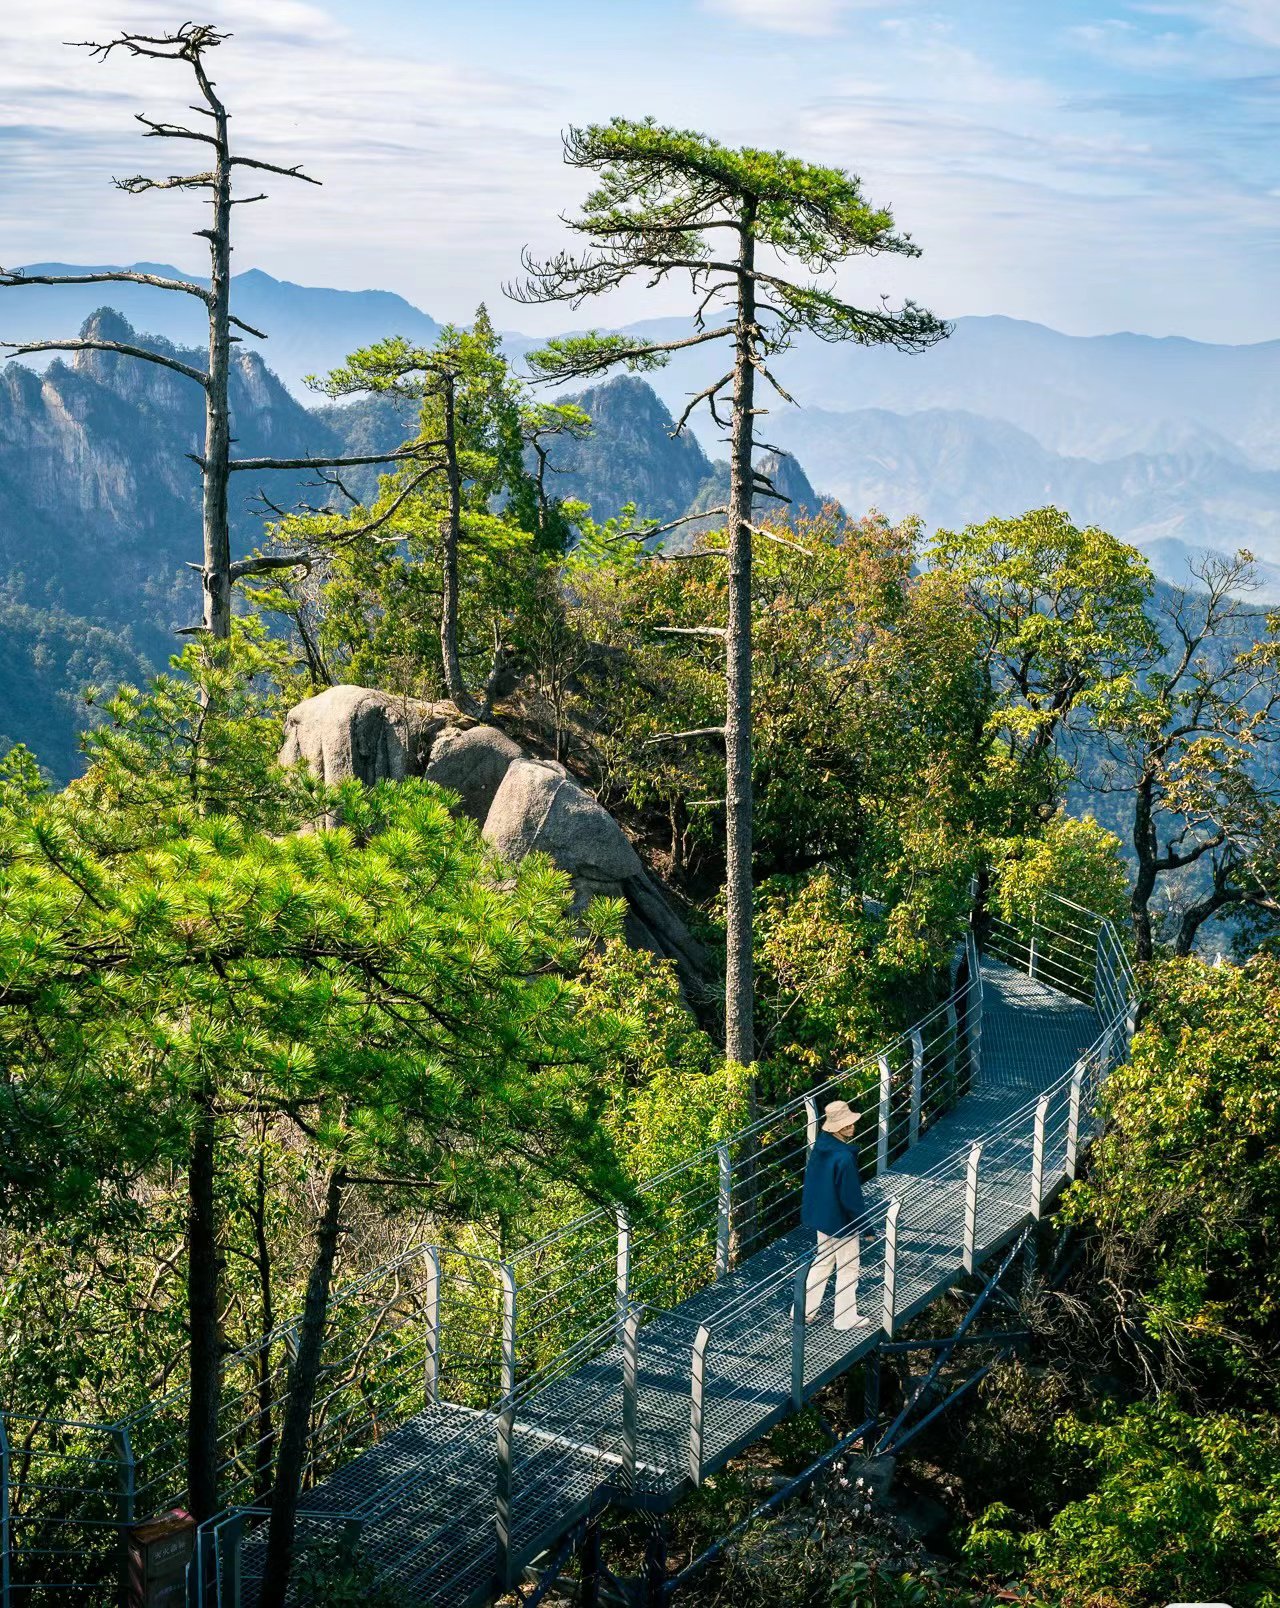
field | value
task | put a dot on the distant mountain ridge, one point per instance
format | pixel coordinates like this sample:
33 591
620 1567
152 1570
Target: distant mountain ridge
309 329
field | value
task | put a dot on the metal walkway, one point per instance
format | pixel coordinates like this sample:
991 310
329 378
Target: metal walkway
473 1410
453 1503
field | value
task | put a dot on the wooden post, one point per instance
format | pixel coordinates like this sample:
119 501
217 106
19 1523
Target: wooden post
724 1212
1073 1123
890 1264
917 1082
798 1293
1037 1157
971 1208
1032 956
697 1388
630 1371
502 1502
431 1358
882 1128
622 1278
508 1329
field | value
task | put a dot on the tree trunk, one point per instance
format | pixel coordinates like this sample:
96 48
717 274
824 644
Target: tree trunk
264 1433
204 1341
217 422
739 1036
1144 883
453 681
302 1392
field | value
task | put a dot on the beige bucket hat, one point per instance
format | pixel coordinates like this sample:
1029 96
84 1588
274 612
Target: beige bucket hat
837 1116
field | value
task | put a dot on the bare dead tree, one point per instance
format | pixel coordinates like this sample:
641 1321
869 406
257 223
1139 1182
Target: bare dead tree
190 45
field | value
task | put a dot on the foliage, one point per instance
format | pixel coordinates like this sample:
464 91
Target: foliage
1072 858
1185 1508
371 609
1062 617
662 194
1184 1190
1188 736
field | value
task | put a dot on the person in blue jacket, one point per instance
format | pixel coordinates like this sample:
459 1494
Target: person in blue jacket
831 1202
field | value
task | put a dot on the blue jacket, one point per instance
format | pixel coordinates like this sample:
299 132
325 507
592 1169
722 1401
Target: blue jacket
832 1196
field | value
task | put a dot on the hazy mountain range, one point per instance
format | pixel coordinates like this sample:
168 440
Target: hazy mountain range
1173 444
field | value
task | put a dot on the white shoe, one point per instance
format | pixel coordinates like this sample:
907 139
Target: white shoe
855 1321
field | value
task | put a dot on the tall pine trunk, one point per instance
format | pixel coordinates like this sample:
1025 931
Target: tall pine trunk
739 1035
454 684
303 1376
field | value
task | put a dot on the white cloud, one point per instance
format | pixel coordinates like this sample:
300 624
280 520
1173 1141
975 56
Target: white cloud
813 17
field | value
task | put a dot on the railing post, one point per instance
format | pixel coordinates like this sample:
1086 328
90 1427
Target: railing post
890 1264
697 1389
125 1502
953 1054
1073 1122
724 1212
973 1011
882 1126
630 1372
622 1279
1037 1156
4 1515
230 1535
431 1359
917 1081
502 1496
811 1123
1031 955
1097 973
508 1329
971 1208
799 1294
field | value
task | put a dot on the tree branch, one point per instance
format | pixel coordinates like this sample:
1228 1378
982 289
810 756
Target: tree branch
271 561
11 278
294 172
399 456
685 736
17 349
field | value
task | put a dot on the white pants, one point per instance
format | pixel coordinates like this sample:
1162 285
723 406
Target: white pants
843 1254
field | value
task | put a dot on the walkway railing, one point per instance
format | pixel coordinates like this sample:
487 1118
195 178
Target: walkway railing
487 1345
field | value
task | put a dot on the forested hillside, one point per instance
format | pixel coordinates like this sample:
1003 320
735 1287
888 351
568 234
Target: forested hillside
573 895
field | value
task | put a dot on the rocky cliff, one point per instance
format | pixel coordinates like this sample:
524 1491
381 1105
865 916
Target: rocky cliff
523 805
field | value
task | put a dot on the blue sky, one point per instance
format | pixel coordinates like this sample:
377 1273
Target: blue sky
1093 166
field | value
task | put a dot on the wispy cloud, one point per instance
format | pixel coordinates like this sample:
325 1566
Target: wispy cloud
812 17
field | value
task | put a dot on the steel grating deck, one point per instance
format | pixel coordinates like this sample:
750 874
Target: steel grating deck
425 1496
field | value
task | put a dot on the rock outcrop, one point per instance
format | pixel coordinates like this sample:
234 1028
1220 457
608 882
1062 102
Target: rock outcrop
522 805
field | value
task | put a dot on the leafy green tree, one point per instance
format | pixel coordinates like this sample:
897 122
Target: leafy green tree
1189 731
470 448
1184 1190
1186 1508
1062 614
665 198
172 977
